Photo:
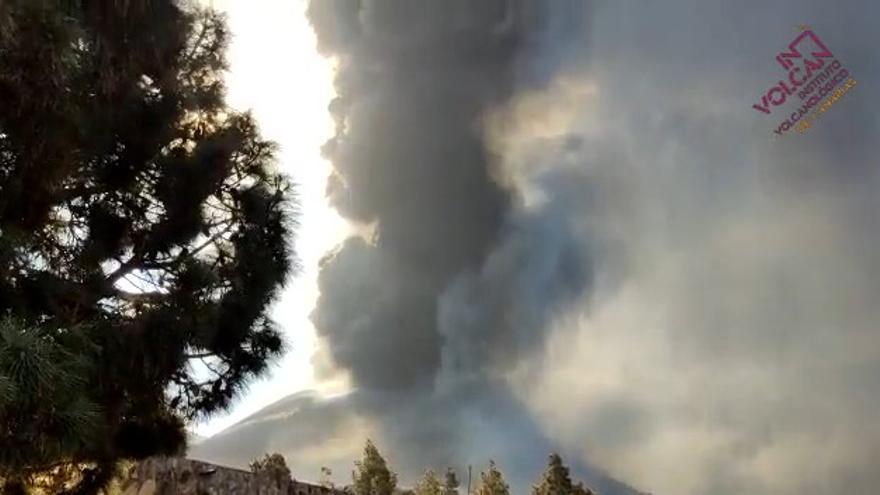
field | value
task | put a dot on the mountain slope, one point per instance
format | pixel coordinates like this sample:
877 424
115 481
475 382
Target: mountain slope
312 432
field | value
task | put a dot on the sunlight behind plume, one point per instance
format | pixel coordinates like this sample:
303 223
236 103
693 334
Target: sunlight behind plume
276 72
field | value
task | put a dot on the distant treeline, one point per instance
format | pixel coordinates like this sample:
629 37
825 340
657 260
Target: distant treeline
372 476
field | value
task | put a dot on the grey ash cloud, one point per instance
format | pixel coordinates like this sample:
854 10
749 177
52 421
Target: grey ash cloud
586 241
414 80
423 328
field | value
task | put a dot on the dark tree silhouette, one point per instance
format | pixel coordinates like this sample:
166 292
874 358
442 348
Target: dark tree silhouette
450 482
140 217
557 481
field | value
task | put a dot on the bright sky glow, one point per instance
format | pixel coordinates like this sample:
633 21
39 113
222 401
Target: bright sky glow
276 72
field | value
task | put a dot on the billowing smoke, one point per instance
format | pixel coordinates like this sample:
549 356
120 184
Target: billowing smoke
455 277
584 238
410 159
422 317
729 341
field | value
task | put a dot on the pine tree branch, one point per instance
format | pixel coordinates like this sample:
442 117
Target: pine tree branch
144 297
124 269
201 355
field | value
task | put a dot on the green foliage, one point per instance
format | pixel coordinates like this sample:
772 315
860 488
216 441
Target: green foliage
45 412
143 229
557 481
33 368
492 482
273 467
429 484
371 475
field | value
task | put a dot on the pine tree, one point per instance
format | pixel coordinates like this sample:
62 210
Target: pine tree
371 475
44 407
450 482
492 482
142 226
557 481
274 468
429 484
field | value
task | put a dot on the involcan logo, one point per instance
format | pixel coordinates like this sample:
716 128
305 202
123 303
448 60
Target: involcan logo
815 79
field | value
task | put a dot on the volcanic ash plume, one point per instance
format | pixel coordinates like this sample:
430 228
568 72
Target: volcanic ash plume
420 315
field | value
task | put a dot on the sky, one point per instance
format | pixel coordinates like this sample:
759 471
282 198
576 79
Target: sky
276 72
583 237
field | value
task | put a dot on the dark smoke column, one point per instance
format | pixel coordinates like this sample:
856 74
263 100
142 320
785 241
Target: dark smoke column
415 79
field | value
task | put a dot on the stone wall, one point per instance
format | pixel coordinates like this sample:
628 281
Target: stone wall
174 475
